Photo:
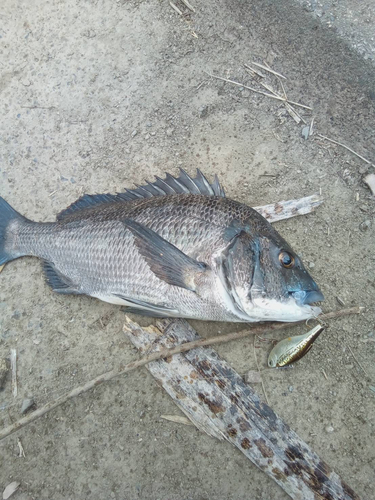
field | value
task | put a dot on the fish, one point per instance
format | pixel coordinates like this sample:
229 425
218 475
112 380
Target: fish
292 349
175 247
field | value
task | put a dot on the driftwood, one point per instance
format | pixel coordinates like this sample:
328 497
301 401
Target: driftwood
220 403
291 208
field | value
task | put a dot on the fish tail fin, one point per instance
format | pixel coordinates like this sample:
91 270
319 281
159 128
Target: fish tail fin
8 216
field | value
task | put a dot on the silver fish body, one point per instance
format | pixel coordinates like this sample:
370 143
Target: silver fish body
292 349
177 247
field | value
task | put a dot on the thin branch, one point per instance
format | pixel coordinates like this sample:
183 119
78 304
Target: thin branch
358 363
164 353
175 8
253 70
188 5
347 148
245 86
13 365
278 98
38 107
283 88
258 367
268 69
292 112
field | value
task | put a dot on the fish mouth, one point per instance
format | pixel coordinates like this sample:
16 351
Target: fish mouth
307 297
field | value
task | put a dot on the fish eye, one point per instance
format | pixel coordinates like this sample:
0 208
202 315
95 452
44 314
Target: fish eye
286 259
272 362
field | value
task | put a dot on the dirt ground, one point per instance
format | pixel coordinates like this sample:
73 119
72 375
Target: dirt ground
96 96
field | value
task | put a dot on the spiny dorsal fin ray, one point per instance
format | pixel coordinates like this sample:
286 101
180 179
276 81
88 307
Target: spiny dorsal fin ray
184 184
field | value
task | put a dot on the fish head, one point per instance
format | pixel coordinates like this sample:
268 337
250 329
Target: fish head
272 360
269 280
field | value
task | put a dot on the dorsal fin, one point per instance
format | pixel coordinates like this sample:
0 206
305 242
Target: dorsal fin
184 184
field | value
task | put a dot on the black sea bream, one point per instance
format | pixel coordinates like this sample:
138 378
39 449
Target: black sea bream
176 247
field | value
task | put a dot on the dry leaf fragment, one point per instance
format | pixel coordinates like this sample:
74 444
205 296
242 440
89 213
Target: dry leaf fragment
306 132
370 181
10 489
177 419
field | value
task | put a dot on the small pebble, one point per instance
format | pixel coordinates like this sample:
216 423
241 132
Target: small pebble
170 131
134 133
16 315
366 224
203 111
329 428
291 388
311 265
27 404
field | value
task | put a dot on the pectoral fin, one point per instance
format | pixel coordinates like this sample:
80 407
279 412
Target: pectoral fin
166 261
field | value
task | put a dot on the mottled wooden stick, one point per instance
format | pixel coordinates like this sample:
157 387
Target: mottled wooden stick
105 377
220 403
291 208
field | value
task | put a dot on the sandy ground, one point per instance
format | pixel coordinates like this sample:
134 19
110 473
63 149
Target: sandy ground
98 95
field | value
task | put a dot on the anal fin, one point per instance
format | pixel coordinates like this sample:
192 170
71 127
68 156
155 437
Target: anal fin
57 281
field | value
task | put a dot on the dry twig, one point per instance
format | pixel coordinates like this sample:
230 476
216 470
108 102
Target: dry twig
268 69
188 5
175 8
278 98
358 363
177 419
347 148
258 367
253 71
164 353
13 366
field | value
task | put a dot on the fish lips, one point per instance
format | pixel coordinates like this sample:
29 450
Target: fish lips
305 297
